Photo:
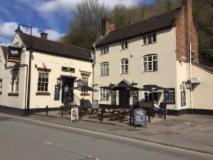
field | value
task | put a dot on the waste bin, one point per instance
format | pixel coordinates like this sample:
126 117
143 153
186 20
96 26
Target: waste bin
139 117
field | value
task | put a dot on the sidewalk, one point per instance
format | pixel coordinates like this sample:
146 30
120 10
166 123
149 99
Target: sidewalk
194 132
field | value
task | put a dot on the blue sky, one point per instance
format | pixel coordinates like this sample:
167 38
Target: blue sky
51 16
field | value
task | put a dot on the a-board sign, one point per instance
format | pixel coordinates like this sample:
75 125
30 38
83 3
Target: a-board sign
74 114
139 117
14 54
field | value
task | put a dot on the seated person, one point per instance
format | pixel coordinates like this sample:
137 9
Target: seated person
158 109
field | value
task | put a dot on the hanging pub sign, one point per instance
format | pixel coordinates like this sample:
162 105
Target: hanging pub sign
14 54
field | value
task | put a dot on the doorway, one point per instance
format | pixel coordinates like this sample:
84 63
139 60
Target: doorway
67 88
124 97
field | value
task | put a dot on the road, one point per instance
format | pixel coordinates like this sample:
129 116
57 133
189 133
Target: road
27 140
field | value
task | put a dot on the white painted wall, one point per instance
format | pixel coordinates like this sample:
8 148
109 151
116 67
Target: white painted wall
165 76
52 62
202 94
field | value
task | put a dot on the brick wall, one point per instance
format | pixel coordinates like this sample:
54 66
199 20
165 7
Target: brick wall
186 33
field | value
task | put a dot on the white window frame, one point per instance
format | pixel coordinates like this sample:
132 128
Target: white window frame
85 79
104 94
104 69
43 82
124 66
150 39
124 45
104 50
150 63
14 83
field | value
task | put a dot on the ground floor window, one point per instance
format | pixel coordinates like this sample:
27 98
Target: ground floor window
1 86
43 79
135 97
14 83
150 96
104 94
113 97
183 98
169 95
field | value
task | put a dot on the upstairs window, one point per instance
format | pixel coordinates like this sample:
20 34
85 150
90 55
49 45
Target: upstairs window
124 45
105 50
150 38
104 69
150 63
43 79
124 66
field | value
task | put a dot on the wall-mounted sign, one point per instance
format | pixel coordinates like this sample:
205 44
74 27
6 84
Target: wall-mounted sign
68 69
57 92
169 95
14 54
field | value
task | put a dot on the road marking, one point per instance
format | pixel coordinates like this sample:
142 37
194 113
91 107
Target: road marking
140 141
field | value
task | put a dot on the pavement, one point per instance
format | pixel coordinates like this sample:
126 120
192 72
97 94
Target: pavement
190 132
32 138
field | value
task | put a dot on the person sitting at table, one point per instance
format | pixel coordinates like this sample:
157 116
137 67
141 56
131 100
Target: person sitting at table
158 109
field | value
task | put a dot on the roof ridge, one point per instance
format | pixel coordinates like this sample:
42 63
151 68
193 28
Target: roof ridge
147 19
52 41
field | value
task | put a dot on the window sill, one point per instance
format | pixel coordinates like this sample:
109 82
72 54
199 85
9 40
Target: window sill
42 94
124 73
150 71
13 94
105 76
149 44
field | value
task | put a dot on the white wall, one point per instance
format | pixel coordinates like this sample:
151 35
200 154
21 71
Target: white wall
52 62
165 76
55 63
202 94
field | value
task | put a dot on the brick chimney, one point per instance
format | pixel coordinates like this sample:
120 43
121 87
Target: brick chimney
44 35
186 32
107 26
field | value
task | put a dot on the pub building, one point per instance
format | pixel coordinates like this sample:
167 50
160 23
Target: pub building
54 67
153 60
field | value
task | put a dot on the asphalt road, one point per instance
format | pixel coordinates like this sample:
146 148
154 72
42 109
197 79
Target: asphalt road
25 140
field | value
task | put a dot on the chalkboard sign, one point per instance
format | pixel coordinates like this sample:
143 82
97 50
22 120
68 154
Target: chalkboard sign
57 93
139 117
169 95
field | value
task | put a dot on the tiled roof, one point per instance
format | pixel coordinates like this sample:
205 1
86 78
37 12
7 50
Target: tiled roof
153 24
55 48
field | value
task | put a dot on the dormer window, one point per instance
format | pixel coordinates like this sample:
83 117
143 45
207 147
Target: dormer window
150 39
105 50
124 45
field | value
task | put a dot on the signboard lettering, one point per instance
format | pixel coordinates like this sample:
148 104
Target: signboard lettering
14 54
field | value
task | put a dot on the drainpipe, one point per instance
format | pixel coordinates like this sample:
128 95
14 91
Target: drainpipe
190 74
93 71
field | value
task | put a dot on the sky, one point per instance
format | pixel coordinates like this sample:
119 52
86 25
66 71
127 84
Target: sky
50 16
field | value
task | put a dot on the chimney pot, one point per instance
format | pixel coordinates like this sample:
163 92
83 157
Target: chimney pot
44 35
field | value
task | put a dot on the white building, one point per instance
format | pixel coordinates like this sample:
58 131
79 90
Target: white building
154 53
53 65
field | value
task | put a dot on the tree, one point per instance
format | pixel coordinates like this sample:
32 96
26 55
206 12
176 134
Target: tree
85 26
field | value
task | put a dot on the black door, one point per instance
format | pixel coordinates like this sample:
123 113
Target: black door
124 96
